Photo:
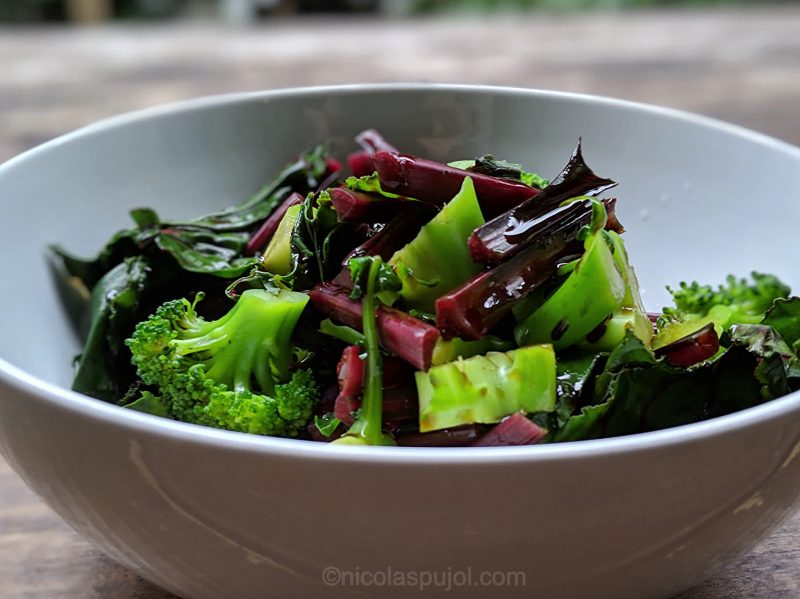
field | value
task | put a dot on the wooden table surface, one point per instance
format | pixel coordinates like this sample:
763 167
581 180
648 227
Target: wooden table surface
739 66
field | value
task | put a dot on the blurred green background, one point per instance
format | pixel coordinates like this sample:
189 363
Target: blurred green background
27 11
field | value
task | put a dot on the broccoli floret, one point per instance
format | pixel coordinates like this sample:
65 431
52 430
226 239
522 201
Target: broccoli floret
739 301
231 373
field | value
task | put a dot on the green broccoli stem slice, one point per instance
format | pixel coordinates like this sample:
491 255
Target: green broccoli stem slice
591 293
485 389
368 427
437 260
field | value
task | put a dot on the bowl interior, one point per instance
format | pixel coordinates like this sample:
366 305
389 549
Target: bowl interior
699 200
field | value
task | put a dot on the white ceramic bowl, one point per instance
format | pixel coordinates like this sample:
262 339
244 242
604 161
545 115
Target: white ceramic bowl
211 514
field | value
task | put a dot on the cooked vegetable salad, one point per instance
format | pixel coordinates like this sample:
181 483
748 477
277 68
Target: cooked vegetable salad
411 302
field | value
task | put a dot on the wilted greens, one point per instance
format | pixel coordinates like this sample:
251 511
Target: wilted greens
413 302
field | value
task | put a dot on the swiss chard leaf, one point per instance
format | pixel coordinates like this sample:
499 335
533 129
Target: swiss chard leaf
206 251
100 373
574 380
319 243
489 165
636 392
302 176
148 403
647 398
387 280
211 244
784 317
72 292
90 270
574 377
581 425
778 368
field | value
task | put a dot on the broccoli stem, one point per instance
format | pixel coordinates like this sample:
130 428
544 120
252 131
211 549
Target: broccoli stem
368 427
373 386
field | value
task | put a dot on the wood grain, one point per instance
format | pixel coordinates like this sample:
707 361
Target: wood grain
739 66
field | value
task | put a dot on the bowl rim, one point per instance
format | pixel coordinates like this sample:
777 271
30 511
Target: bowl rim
14 378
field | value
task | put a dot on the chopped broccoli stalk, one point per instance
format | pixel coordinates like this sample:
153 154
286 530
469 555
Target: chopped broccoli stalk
592 292
368 426
633 297
277 258
438 259
232 372
447 350
739 301
484 389
610 333
631 316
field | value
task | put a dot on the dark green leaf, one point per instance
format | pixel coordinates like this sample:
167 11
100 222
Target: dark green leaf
581 425
778 368
145 218
387 280
631 352
574 385
90 270
72 292
784 317
150 404
573 374
206 251
319 243
112 315
489 165
647 398
210 244
635 392
302 176
326 424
